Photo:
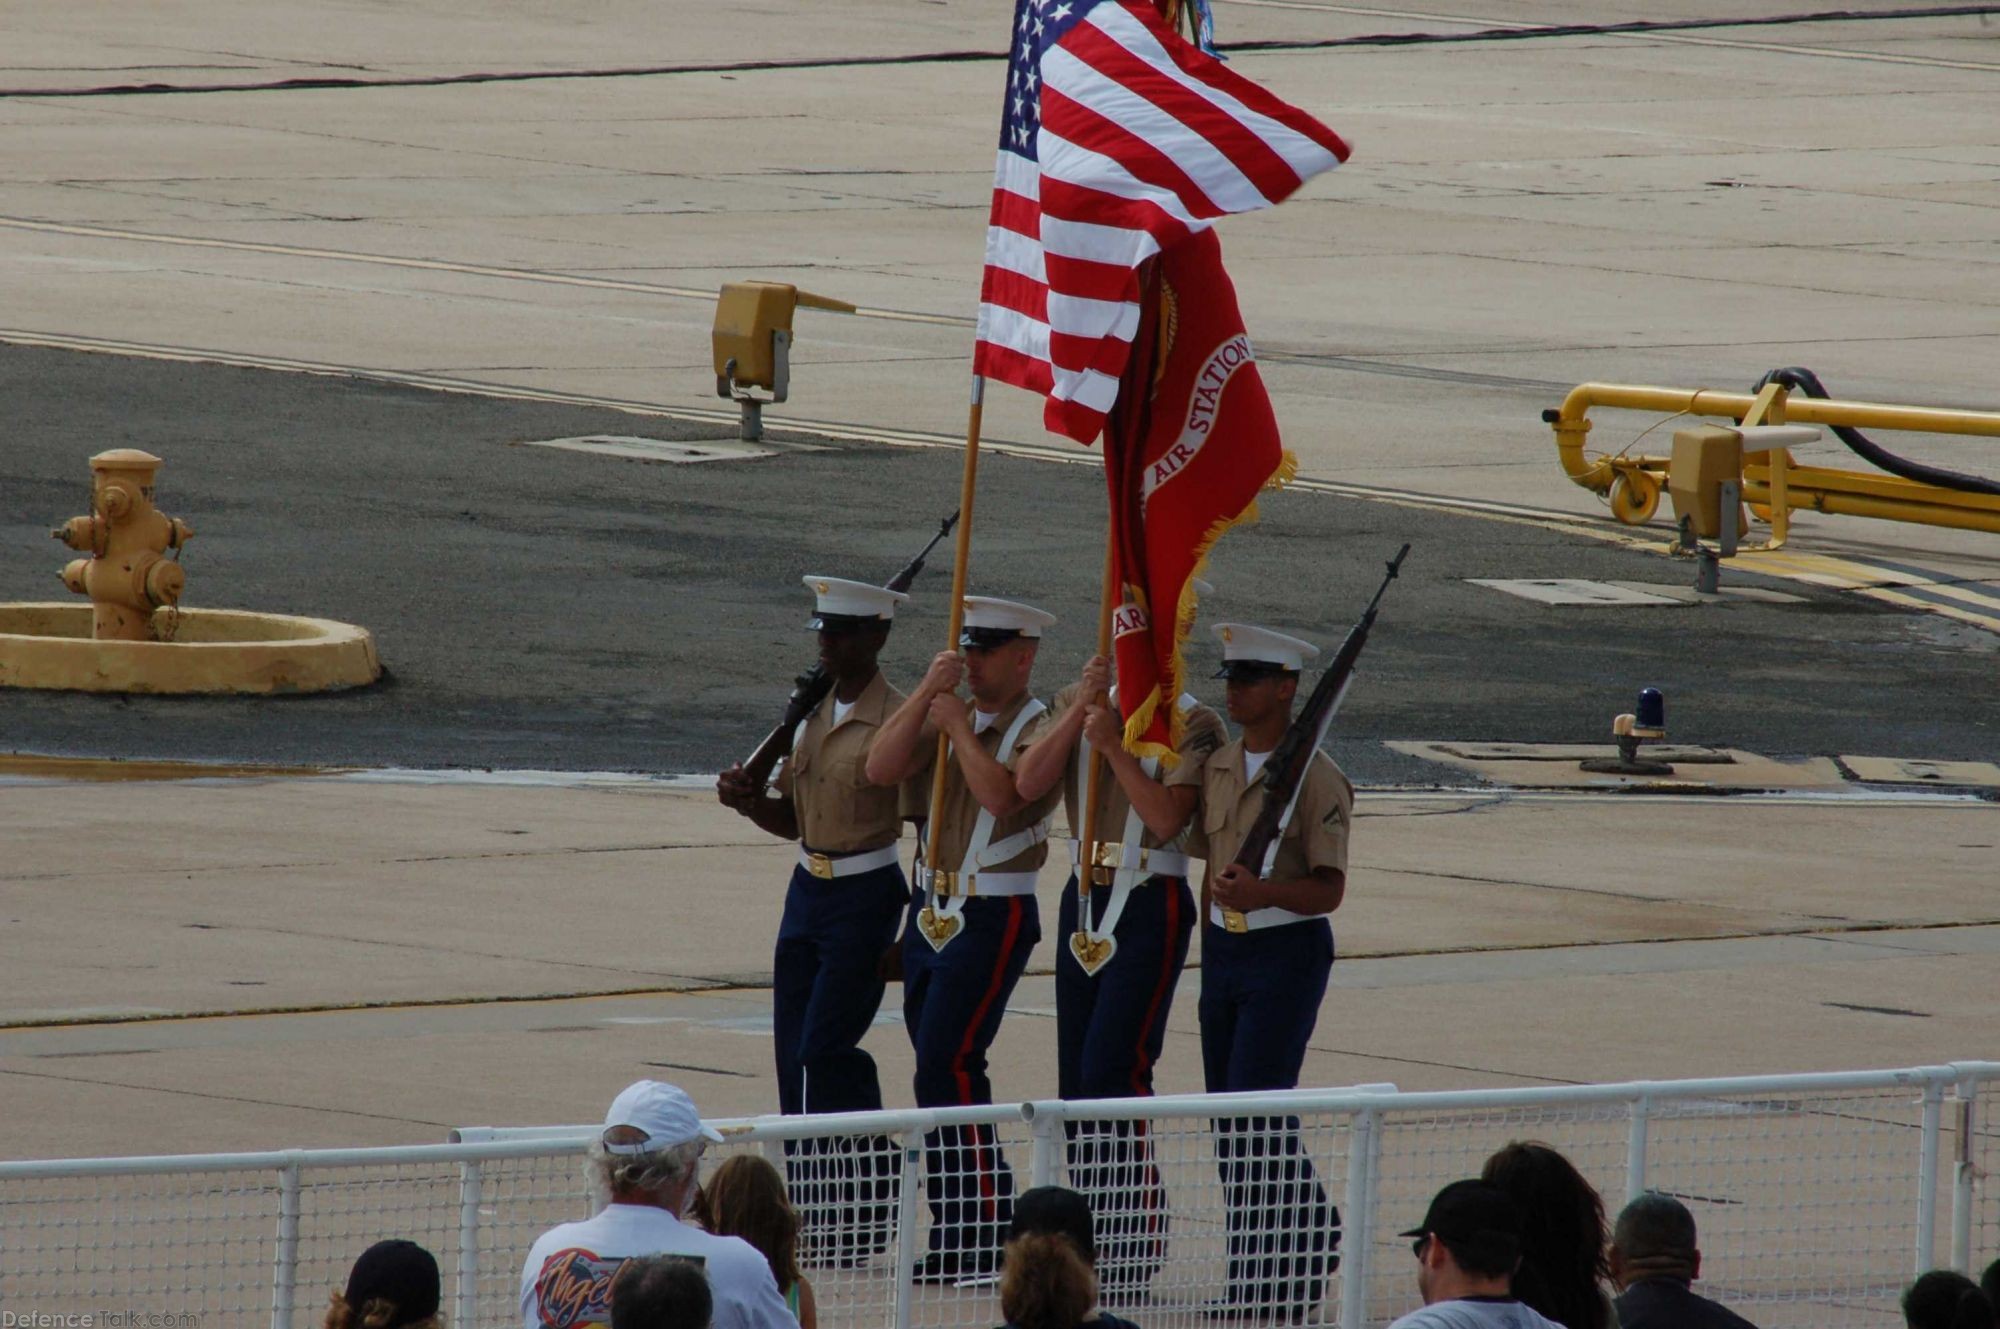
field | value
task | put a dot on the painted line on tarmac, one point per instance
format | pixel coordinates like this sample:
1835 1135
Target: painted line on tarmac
702 294
1812 569
1903 585
1511 26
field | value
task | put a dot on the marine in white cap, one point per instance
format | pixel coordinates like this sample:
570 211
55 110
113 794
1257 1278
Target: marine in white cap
647 1164
846 895
1121 948
1267 951
973 918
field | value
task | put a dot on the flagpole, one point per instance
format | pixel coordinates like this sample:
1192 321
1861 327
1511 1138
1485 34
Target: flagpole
957 615
1108 598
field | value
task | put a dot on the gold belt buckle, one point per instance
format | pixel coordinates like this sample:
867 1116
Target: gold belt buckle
820 866
944 884
1233 921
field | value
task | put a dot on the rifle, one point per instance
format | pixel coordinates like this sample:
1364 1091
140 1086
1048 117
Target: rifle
810 688
1285 769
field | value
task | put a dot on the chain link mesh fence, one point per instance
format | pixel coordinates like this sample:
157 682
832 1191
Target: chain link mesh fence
1814 1196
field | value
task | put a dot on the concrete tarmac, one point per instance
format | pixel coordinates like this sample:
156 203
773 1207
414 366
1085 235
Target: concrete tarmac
243 964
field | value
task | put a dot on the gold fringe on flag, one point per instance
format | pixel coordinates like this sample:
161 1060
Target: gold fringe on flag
1184 618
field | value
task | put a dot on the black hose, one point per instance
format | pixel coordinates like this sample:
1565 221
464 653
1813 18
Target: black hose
1804 380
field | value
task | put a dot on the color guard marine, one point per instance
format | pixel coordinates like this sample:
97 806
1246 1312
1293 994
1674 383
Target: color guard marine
1266 955
847 893
973 918
1124 942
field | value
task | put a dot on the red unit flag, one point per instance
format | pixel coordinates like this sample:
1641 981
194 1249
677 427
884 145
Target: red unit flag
1190 444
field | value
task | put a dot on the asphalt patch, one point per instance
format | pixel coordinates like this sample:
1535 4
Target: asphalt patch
547 609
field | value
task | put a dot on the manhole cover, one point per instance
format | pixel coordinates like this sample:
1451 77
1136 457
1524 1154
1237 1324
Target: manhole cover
658 449
1574 591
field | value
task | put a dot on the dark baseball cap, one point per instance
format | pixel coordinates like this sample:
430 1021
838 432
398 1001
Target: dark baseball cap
1058 1210
401 1273
1476 1215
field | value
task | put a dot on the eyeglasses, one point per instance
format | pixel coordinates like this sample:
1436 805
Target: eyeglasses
1417 1246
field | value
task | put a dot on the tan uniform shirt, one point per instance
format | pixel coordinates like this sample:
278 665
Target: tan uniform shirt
826 777
1201 734
1316 836
953 831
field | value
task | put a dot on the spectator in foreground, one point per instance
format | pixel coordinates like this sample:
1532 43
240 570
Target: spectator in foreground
1468 1247
646 1161
746 1198
1989 1283
1653 1261
1563 1267
394 1285
661 1292
1946 1299
1048 1271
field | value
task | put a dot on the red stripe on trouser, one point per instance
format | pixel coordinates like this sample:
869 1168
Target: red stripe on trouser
986 1186
1143 1062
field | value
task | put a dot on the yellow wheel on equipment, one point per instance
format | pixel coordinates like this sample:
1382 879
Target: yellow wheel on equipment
1635 497
1762 512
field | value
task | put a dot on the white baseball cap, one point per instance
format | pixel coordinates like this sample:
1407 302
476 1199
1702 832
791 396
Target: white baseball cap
990 622
1260 650
663 1111
848 603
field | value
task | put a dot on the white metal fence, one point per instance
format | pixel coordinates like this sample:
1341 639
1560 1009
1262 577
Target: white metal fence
1817 1196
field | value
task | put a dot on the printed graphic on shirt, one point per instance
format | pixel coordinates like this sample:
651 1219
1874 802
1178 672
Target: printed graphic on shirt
573 1291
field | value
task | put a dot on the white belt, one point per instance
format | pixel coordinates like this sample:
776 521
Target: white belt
826 867
973 885
1151 862
1257 919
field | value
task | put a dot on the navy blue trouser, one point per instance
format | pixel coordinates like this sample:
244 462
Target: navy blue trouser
1109 1030
952 1003
825 994
1260 997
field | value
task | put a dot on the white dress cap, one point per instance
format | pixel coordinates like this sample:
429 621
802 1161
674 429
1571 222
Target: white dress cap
851 599
1250 644
664 1112
989 621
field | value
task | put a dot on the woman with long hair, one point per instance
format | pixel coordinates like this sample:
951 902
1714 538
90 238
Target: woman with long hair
1048 1271
746 1198
1563 1268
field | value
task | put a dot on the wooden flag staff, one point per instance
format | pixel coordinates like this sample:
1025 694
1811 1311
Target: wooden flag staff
1090 950
939 929
1094 778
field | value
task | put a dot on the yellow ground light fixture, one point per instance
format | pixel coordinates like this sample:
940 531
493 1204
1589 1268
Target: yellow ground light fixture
753 344
1768 479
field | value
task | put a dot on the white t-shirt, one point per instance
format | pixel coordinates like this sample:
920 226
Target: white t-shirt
983 720
841 710
1253 762
566 1282
1477 1313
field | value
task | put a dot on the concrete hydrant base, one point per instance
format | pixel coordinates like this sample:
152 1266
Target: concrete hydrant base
213 651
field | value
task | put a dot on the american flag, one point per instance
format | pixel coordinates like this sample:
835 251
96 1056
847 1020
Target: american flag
1118 140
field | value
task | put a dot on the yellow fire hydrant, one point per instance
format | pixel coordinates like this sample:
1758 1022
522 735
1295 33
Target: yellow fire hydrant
126 576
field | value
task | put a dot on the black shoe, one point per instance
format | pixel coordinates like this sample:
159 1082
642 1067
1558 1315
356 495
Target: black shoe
951 1266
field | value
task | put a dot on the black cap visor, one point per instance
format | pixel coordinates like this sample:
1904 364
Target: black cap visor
982 638
844 622
1249 671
